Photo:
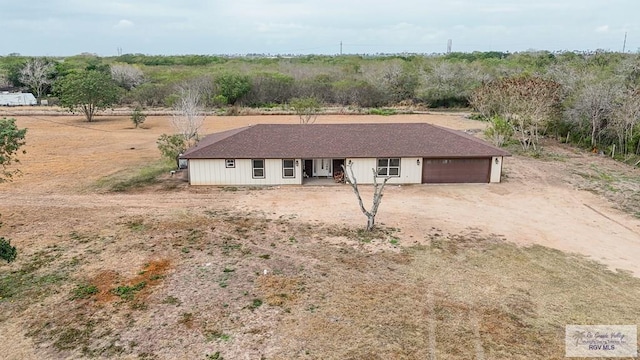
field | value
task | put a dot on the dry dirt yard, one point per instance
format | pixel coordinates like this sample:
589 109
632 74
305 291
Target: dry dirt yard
170 271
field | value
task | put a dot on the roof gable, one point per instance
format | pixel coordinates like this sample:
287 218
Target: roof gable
272 141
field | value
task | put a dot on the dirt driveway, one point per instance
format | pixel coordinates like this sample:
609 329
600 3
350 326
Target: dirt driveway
538 203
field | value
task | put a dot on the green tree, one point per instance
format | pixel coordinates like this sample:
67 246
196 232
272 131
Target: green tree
171 146
137 116
12 66
89 90
11 140
306 108
233 86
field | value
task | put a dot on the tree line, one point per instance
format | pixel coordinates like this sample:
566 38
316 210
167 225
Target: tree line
590 98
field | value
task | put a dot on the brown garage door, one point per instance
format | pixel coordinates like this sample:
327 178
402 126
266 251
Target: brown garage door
456 170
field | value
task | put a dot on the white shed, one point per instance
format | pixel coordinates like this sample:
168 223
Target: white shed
17 99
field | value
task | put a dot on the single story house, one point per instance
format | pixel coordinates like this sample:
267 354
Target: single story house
17 99
280 154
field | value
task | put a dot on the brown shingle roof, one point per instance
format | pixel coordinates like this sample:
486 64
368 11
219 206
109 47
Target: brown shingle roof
275 141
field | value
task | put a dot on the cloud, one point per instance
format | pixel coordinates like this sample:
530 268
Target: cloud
123 24
273 26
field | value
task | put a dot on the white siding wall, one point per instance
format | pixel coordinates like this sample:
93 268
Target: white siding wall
496 169
410 171
214 172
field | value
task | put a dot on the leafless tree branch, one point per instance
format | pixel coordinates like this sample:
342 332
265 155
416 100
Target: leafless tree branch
188 117
126 75
35 74
378 188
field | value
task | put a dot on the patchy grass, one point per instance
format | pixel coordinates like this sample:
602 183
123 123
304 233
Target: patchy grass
362 235
84 291
383 111
280 290
465 295
519 298
621 187
34 276
134 178
127 292
136 224
172 300
255 303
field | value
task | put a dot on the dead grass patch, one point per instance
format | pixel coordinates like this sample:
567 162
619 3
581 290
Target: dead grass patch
110 286
105 281
463 295
279 290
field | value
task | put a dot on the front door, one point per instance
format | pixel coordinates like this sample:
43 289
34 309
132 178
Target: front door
322 167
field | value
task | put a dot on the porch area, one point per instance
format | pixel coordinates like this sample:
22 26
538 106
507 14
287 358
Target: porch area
316 181
323 172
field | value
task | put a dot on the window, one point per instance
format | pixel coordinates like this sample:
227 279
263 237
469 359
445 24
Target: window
389 167
258 169
230 163
288 168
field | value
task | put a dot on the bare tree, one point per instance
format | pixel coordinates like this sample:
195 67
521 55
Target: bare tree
396 79
594 103
629 71
487 101
527 103
451 83
571 77
126 76
188 114
35 74
377 193
625 118
4 82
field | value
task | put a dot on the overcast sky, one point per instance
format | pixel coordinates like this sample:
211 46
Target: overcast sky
68 27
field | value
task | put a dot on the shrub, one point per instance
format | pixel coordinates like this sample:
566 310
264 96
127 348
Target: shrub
383 112
137 116
150 94
270 88
232 87
7 252
171 146
359 93
500 131
306 108
319 87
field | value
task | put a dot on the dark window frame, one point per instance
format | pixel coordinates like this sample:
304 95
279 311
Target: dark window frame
254 168
229 163
292 168
385 169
